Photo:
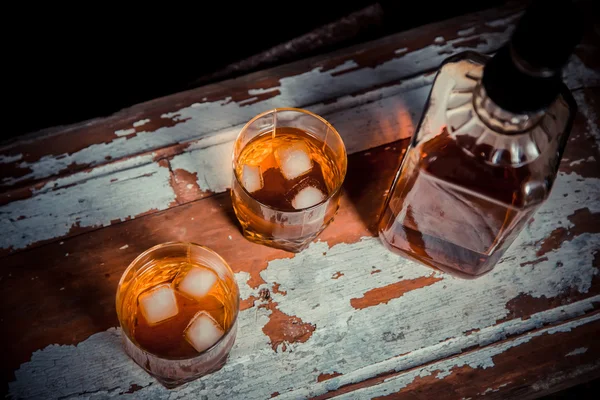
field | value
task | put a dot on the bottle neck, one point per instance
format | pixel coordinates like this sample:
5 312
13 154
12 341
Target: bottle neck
500 120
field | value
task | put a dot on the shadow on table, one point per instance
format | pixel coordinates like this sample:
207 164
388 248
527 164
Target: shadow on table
390 120
369 177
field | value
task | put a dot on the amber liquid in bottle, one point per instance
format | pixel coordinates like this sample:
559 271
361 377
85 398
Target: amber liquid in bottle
448 227
473 175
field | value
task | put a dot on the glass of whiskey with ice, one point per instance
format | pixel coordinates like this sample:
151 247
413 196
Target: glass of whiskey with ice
177 304
288 168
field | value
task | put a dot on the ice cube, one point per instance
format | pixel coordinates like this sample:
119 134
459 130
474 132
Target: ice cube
158 304
293 160
307 197
252 178
197 282
203 331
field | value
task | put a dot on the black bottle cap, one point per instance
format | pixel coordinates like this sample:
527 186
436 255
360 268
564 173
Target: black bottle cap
525 75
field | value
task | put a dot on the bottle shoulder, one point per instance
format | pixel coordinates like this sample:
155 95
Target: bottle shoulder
456 143
443 160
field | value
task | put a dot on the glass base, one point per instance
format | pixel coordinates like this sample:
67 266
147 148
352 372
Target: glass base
173 372
170 383
291 245
295 245
436 264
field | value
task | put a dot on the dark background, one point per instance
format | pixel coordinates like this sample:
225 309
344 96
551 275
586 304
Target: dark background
68 64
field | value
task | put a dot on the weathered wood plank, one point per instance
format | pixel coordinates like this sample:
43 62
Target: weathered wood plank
345 264
202 167
71 208
64 371
205 111
356 89
201 112
210 221
545 360
380 121
98 197
345 317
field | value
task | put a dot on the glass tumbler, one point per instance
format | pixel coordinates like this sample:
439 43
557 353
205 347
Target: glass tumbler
177 305
288 168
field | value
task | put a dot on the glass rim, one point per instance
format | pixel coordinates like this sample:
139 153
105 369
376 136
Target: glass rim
177 244
302 111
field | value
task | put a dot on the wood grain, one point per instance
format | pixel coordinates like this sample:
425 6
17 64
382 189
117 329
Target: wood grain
528 366
373 94
85 305
212 108
343 318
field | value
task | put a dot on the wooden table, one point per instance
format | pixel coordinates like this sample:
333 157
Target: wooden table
345 318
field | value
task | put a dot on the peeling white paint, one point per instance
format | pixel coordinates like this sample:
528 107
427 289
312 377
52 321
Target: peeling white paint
422 324
395 117
241 279
257 92
10 159
398 382
94 202
576 74
303 90
141 122
419 323
125 132
590 115
589 159
466 32
112 372
212 166
100 171
248 101
346 66
491 390
387 120
577 351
